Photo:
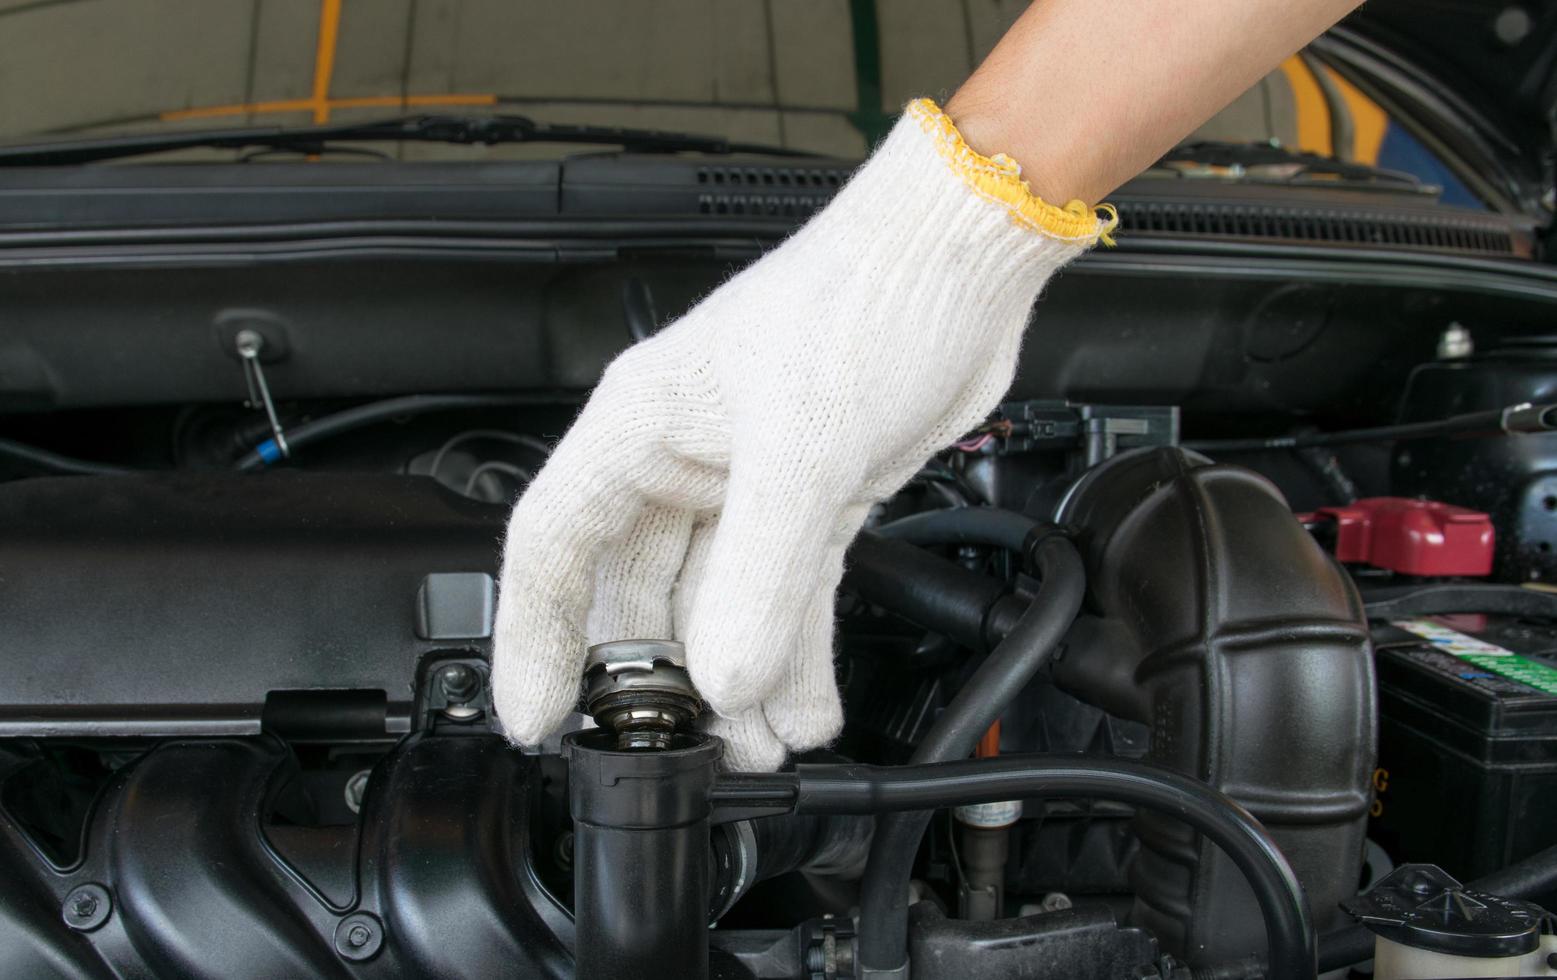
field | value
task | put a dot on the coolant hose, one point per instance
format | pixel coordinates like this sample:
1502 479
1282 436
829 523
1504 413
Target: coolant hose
823 789
1526 878
970 609
963 525
1008 669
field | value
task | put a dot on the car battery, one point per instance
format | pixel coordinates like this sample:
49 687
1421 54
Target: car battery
1467 771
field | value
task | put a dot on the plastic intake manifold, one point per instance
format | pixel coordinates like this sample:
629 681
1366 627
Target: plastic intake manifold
1212 617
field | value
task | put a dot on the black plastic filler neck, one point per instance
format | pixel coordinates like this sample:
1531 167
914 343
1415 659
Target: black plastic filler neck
641 844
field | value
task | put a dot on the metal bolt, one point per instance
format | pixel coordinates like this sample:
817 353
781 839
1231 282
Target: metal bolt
356 787
87 907
816 961
249 343
1055 902
459 682
359 936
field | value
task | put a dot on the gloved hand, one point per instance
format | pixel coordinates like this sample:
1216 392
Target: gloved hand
710 486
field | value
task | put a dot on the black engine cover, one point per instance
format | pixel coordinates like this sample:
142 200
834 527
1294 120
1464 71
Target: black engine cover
173 605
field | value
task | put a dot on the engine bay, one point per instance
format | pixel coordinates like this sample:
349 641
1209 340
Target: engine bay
1226 638
252 734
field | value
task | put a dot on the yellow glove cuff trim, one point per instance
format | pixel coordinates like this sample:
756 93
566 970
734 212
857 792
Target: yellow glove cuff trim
999 179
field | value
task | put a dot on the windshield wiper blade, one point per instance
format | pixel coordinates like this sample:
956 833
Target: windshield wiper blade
1215 153
465 130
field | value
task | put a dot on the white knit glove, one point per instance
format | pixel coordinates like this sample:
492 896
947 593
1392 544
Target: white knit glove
710 486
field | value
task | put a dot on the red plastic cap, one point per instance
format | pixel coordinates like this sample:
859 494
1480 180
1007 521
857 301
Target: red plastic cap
1413 537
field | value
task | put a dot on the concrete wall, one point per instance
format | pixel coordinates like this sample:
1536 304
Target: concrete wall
772 71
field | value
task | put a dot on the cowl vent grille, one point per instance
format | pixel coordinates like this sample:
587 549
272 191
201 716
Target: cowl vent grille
790 192
1331 226
773 178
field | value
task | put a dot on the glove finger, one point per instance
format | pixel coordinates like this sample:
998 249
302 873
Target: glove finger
636 575
751 596
749 744
805 711
694 571
581 500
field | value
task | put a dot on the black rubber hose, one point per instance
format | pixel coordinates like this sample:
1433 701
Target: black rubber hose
372 413
963 525
831 844
882 789
1339 948
1527 878
982 700
925 589
54 462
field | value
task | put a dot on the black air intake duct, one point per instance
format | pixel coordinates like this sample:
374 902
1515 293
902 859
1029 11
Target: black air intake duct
1214 618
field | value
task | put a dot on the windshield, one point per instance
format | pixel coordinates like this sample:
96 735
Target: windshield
823 77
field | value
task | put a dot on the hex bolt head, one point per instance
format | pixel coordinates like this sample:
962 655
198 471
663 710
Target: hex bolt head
459 682
359 936
249 343
87 907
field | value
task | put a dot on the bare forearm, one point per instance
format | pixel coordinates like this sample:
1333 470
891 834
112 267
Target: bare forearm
1085 94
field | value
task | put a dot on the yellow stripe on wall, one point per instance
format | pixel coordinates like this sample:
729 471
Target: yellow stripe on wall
1368 121
1313 115
324 57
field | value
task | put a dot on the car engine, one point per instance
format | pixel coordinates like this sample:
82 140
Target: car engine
249 731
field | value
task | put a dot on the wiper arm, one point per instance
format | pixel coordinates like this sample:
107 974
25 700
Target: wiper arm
1215 153
468 130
